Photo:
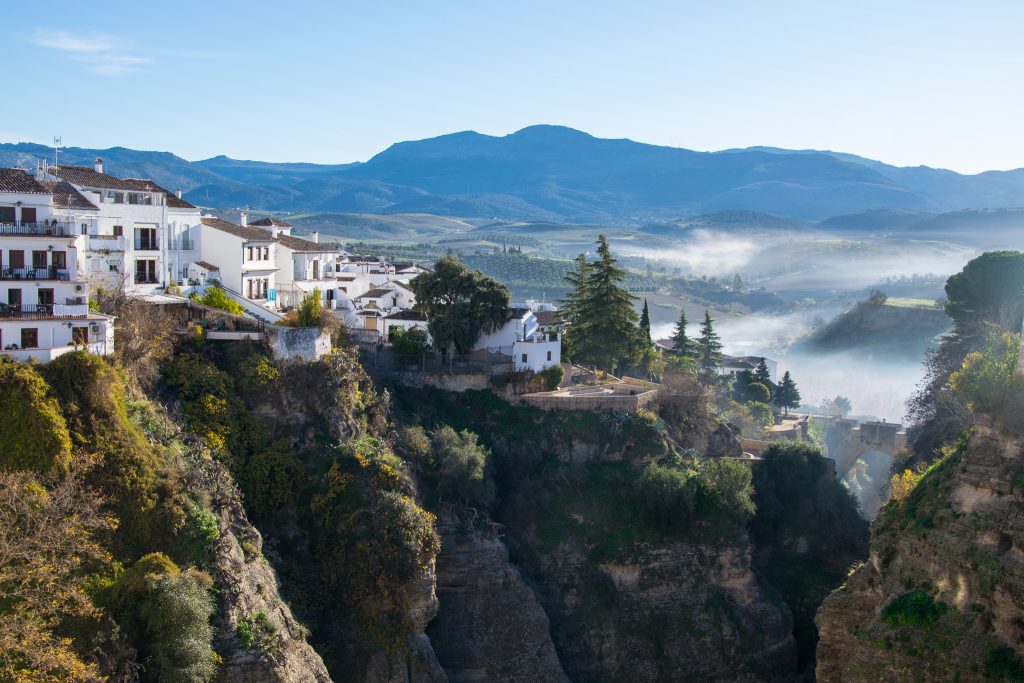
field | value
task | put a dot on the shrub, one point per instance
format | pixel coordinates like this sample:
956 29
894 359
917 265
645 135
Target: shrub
900 485
409 343
1003 663
167 615
257 633
915 608
310 310
33 432
216 297
257 372
412 443
461 467
667 496
203 532
731 483
552 377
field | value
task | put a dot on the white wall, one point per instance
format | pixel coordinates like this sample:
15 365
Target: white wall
536 355
55 334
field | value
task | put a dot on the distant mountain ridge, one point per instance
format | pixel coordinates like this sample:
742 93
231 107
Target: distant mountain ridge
553 173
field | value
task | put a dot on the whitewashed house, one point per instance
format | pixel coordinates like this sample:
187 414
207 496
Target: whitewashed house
521 338
245 257
407 319
44 309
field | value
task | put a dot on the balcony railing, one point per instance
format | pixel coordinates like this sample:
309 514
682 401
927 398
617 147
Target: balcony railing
181 244
141 279
46 273
48 229
106 243
146 245
41 311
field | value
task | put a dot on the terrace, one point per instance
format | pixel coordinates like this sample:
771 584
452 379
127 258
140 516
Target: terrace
43 311
47 273
43 229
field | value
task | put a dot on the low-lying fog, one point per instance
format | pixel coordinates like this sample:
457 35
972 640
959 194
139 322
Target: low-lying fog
823 272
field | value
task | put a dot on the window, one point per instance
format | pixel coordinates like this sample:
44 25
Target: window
145 239
16 258
316 269
59 259
45 297
14 297
30 338
524 357
85 228
79 335
248 253
549 355
145 271
115 197
266 253
118 231
113 268
28 215
38 259
7 214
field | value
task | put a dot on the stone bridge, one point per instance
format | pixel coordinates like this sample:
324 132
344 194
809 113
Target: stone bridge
848 440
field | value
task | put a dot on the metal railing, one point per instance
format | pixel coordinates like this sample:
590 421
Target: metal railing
44 273
49 229
146 279
147 244
181 244
41 311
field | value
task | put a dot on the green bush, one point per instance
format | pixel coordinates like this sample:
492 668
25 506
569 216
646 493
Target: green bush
730 482
257 633
552 377
216 297
1003 663
203 532
461 467
915 608
310 310
667 496
33 432
409 343
166 615
412 443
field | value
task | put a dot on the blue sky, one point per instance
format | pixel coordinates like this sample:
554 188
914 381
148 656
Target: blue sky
907 82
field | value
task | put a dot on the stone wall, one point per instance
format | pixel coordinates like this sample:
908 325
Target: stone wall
298 343
448 381
620 403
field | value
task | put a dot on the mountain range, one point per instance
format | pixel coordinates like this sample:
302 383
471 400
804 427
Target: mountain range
555 173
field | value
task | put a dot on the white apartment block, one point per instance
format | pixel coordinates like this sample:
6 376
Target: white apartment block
44 309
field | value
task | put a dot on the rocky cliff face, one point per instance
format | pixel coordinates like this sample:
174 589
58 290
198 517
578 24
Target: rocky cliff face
675 611
490 626
942 595
276 651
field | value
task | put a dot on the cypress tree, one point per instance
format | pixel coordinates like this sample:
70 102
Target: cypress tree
645 324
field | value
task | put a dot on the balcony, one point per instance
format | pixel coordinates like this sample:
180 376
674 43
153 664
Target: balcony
45 229
143 244
181 245
50 273
42 311
106 243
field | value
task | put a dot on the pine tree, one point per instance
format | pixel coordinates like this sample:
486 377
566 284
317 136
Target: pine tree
681 343
788 396
603 323
763 375
645 324
709 347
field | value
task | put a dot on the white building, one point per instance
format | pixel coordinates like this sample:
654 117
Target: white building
246 258
405 319
521 338
44 309
140 235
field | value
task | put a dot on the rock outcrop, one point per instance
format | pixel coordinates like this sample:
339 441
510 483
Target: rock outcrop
276 651
490 626
942 594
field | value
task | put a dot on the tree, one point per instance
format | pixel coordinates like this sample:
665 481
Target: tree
602 322
573 303
788 396
460 304
411 343
461 465
986 297
681 344
843 405
310 310
762 374
645 324
48 560
709 347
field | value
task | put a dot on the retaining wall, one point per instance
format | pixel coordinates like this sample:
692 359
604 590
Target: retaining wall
298 343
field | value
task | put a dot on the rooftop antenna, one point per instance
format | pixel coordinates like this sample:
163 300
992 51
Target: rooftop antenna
56 148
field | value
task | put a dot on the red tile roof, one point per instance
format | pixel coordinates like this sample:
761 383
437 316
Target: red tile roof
246 233
269 222
65 196
17 180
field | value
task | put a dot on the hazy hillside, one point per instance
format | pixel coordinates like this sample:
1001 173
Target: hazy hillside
553 173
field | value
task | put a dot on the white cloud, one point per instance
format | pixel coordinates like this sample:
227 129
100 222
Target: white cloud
96 52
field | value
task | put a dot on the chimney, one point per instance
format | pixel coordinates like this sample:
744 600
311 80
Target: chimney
315 236
274 230
244 218
98 165
177 193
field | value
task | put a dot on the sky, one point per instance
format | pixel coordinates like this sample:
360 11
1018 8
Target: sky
934 83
